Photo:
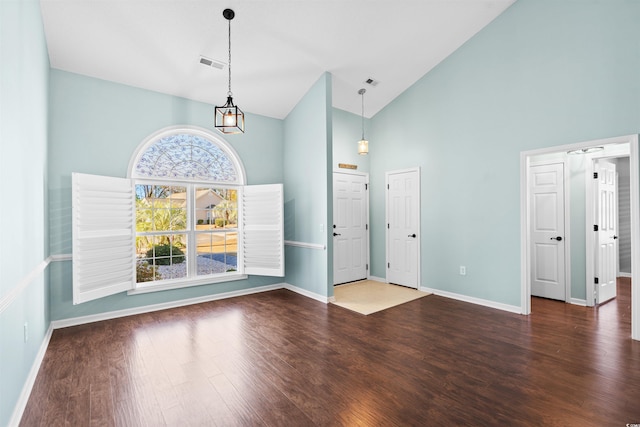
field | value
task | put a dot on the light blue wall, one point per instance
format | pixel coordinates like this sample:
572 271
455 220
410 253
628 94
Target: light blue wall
544 73
95 128
347 131
24 68
308 189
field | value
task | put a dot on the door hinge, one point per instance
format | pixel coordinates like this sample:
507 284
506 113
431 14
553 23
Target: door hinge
595 280
387 186
366 187
388 265
595 175
366 226
595 227
388 226
367 267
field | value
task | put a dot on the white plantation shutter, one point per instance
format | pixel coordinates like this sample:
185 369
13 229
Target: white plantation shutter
103 236
263 222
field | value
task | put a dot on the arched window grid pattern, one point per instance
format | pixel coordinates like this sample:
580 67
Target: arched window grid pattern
187 154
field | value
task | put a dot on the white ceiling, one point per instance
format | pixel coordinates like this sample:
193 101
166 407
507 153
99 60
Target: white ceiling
279 47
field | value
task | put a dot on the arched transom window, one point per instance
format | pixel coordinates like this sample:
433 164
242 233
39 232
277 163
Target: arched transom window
187 154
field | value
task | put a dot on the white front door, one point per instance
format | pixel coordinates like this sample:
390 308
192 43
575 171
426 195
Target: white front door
403 227
350 227
547 231
606 235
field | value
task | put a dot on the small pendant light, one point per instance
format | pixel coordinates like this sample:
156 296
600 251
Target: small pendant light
229 118
363 144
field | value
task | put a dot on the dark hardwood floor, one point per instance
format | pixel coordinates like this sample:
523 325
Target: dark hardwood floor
278 358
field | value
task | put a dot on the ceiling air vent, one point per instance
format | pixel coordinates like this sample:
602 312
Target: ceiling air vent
371 82
212 63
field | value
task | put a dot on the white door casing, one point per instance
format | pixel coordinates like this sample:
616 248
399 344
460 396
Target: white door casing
606 213
403 227
547 231
350 227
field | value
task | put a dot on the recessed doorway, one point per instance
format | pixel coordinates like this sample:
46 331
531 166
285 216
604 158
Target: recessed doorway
609 148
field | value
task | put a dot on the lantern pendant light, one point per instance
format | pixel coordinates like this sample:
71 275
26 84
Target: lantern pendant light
363 144
229 118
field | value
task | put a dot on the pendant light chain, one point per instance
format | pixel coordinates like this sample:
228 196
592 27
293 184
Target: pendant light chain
229 93
363 91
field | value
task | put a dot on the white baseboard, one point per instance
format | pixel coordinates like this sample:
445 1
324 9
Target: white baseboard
57 324
576 301
65 323
21 404
378 279
621 274
479 301
306 293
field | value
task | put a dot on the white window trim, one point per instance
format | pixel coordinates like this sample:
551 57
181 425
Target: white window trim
166 285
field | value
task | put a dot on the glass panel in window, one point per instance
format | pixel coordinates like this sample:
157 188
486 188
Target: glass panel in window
161 257
161 208
216 208
217 252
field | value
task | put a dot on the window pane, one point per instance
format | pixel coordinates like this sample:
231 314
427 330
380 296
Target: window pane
144 217
161 257
217 252
216 208
161 208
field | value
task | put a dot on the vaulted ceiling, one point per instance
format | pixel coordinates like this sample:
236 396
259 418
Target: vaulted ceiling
279 47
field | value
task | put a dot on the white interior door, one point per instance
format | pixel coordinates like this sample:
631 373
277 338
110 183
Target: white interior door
606 235
350 227
547 231
403 227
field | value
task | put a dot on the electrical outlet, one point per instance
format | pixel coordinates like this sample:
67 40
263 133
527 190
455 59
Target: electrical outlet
26 331
463 270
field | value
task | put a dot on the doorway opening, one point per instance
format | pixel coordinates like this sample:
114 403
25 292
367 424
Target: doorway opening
583 277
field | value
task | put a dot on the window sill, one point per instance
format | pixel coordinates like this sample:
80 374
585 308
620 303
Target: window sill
146 287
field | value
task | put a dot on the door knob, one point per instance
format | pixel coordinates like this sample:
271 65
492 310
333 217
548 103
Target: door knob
412 235
557 238
336 234
615 237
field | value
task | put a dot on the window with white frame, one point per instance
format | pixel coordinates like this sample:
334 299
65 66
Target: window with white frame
190 219
186 190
